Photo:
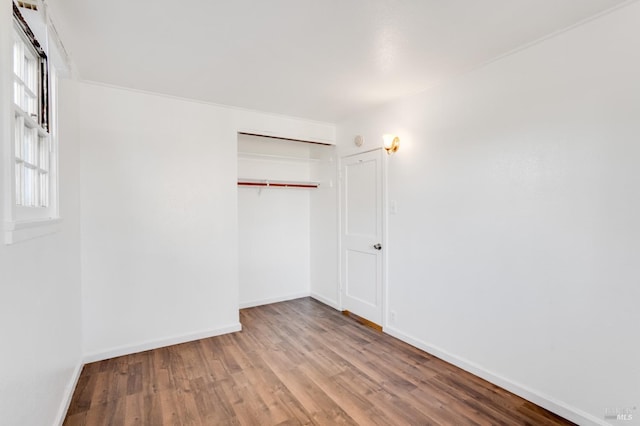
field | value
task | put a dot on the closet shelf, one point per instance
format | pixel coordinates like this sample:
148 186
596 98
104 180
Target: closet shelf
274 157
260 183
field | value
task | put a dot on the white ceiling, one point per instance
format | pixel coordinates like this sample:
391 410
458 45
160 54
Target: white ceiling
323 59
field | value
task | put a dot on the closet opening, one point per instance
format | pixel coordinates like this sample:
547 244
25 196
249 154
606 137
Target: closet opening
286 206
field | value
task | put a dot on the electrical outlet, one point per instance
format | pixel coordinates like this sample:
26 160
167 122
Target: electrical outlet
393 316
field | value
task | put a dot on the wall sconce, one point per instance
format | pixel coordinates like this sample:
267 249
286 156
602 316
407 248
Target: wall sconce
391 143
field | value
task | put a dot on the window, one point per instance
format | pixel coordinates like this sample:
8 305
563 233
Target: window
31 128
32 201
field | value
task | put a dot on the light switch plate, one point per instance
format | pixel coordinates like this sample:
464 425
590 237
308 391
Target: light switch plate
393 207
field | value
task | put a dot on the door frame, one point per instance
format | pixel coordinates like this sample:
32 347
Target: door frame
384 218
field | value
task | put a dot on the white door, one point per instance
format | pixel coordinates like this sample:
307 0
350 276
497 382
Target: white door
361 235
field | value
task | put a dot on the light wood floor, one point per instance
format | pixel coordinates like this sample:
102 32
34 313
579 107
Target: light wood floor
296 362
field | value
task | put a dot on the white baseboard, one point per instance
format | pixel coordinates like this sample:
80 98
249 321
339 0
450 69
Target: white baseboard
333 303
159 343
558 407
260 302
68 394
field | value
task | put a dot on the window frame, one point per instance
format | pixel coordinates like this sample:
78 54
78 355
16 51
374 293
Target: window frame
24 222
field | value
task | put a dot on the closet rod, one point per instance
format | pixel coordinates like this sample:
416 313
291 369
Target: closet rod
278 184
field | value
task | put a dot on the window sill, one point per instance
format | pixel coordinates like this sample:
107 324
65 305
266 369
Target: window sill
15 232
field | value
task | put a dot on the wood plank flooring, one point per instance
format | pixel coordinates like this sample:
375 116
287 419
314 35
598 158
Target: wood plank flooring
297 362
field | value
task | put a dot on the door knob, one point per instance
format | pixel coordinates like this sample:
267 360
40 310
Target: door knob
378 246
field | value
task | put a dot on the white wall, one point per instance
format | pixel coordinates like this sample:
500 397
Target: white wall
324 229
159 258
516 245
273 223
40 334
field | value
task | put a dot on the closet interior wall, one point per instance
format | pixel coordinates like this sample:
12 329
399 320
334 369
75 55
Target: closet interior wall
280 248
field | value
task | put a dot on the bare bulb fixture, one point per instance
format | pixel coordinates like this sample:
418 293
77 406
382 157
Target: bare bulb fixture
391 143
